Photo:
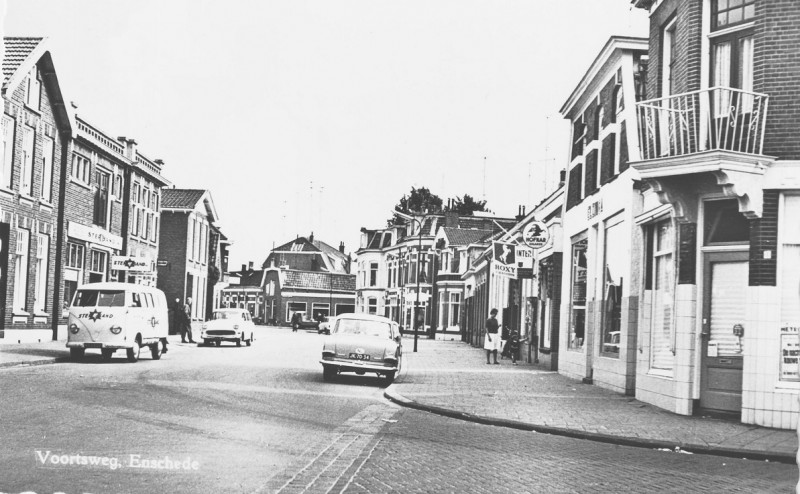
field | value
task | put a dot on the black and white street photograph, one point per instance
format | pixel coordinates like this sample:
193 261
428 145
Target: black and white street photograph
373 246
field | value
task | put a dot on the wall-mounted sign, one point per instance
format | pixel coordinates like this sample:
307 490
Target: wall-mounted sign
130 263
594 209
94 235
535 234
790 352
524 257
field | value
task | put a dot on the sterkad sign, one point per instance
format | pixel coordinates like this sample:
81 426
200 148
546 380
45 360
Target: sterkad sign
130 263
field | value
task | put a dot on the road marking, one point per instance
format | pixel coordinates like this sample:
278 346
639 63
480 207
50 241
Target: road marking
331 464
249 388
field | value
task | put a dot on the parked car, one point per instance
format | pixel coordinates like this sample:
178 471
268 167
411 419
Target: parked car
234 325
112 316
301 320
362 343
326 325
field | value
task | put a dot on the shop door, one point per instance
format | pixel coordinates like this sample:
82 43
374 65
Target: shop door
724 299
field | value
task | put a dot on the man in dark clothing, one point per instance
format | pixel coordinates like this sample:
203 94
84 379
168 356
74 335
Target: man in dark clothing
492 342
186 326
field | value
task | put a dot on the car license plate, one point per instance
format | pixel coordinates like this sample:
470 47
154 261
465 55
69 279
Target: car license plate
359 356
93 345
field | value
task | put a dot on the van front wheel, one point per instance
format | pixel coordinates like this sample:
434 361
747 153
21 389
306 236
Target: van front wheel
76 353
133 353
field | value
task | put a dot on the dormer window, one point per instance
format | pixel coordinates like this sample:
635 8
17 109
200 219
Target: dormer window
726 13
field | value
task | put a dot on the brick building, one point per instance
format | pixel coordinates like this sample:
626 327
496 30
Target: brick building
37 128
111 213
718 311
185 267
304 275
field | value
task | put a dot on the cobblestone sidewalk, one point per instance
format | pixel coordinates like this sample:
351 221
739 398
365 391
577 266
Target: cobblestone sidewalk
451 378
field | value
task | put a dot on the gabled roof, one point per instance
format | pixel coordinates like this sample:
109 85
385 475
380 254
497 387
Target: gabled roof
311 280
20 55
461 236
250 277
17 52
292 246
188 200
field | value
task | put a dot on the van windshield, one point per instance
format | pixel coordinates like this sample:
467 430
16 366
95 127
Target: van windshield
99 298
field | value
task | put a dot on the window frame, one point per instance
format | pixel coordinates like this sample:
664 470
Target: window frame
48 160
42 272
715 13
21 267
27 164
9 125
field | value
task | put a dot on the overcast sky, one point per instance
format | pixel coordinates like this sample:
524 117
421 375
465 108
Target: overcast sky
318 115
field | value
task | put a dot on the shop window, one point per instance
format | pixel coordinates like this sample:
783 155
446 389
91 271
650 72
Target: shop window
615 256
293 307
320 310
455 308
577 326
789 269
662 295
724 224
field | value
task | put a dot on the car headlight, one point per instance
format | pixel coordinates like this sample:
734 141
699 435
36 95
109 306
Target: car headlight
73 328
235 326
116 329
204 326
327 355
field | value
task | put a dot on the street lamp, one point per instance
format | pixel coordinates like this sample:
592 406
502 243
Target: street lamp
419 259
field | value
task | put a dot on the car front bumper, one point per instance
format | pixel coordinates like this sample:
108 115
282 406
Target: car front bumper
359 365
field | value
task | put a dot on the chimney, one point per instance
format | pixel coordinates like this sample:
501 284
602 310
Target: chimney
311 237
341 247
520 213
130 147
244 268
451 219
250 266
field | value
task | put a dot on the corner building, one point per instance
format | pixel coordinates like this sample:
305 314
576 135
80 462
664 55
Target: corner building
720 147
37 128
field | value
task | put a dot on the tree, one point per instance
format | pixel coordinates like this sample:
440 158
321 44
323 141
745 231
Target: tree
467 205
420 200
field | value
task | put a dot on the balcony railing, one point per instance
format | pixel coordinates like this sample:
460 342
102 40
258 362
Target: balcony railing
719 118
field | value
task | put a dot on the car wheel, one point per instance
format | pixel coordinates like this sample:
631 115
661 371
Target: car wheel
76 353
218 342
390 376
295 326
107 353
155 351
240 340
250 340
328 372
206 341
133 353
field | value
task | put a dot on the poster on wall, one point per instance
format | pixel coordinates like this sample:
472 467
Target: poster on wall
790 352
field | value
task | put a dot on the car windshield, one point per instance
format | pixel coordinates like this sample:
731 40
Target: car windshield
99 298
363 327
226 315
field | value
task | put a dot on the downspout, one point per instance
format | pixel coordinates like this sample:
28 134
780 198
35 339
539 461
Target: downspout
66 152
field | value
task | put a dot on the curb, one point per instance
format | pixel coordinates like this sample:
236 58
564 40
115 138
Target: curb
31 363
635 442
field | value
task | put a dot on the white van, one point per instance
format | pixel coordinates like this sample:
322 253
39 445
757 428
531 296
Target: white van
113 316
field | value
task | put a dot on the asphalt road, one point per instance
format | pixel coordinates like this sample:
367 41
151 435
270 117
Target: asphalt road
260 419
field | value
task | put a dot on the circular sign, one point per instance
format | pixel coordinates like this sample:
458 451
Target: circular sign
535 234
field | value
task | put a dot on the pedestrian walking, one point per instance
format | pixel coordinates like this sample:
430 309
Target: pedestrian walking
492 342
187 321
